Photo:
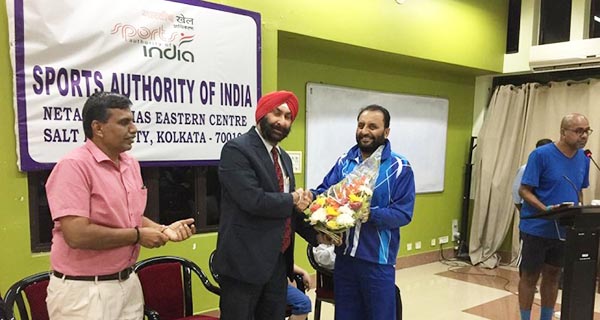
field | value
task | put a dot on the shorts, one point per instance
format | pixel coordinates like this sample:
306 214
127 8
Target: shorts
537 251
298 301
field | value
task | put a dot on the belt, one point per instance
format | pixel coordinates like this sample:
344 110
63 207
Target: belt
121 276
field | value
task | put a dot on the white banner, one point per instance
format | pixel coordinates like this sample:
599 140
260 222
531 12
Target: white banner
191 69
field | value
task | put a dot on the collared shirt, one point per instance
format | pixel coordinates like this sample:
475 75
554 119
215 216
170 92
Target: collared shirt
87 183
269 147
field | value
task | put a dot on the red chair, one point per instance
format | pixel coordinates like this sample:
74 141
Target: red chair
324 291
167 285
29 294
324 286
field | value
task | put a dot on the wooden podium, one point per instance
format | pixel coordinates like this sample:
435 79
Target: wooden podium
581 259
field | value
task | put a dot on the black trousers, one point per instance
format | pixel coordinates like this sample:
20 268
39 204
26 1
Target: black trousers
245 301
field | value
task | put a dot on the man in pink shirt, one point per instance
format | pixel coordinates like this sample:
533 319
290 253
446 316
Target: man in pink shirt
97 200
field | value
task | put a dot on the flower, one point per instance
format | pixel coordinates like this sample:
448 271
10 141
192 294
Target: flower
340 207
346 203
346 220
366 190
346 210
318 216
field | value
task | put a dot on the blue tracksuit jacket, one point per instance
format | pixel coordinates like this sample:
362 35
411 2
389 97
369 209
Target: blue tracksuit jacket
378 239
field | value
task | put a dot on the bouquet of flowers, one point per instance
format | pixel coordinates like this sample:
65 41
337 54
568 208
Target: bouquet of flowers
346 203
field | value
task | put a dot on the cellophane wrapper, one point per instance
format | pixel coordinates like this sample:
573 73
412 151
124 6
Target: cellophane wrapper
346 203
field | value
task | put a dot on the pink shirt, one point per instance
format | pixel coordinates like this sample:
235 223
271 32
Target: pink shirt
87 183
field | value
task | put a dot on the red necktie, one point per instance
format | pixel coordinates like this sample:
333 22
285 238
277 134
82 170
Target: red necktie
288 228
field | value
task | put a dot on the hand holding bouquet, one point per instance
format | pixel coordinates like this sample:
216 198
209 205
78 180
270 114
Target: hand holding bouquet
346 203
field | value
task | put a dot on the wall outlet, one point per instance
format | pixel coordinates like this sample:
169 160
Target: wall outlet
408 246
455 226
455 232
455 236
443 239
417 245
433 242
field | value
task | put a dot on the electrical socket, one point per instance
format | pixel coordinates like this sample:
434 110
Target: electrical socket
443 239
455 236
417 245
433 242
408 246
455 232
455 226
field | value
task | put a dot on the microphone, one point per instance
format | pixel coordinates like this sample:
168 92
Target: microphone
574 188
588 154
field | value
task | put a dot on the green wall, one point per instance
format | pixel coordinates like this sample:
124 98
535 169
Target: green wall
365 44
344 65
464 32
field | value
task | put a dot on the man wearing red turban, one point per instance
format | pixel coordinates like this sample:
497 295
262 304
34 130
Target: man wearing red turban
274 99
260 211
281 104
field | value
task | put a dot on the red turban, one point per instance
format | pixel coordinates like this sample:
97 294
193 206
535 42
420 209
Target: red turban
272 100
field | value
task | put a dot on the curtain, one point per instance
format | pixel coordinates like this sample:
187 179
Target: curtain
517 117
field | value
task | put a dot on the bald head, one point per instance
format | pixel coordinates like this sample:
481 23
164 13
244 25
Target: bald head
574 133
572 119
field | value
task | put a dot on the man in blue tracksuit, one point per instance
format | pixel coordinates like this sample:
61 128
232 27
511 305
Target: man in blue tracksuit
364 277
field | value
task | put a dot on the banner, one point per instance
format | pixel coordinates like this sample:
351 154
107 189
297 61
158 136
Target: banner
191 69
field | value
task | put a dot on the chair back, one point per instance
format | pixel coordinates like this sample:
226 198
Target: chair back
29 294
324 290
3 313
398 304
324 283
324 277
167 286
163 287
214 273
297 278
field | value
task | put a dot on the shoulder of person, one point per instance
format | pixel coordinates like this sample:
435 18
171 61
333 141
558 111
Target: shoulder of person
241 140
402 160
352 154
78 157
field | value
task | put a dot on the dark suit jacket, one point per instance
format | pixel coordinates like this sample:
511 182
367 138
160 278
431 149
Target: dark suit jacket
253 212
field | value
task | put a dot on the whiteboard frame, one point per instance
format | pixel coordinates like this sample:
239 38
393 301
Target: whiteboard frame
418 131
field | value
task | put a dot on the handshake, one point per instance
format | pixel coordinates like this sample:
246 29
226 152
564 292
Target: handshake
302 198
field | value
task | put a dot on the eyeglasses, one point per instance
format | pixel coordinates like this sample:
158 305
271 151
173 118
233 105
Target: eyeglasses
580 131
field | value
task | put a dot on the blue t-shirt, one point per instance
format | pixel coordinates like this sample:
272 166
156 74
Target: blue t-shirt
555 178
517 184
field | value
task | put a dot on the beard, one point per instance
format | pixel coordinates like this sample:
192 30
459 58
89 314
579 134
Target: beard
580 144
273 132
369 147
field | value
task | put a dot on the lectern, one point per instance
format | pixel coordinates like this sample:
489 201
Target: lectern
581 259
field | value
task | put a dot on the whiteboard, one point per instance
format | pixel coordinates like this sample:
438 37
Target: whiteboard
418 128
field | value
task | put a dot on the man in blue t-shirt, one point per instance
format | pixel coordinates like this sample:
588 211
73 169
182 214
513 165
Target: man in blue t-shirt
517 200
555 174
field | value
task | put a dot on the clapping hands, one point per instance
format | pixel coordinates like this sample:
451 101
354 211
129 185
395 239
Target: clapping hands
180 230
